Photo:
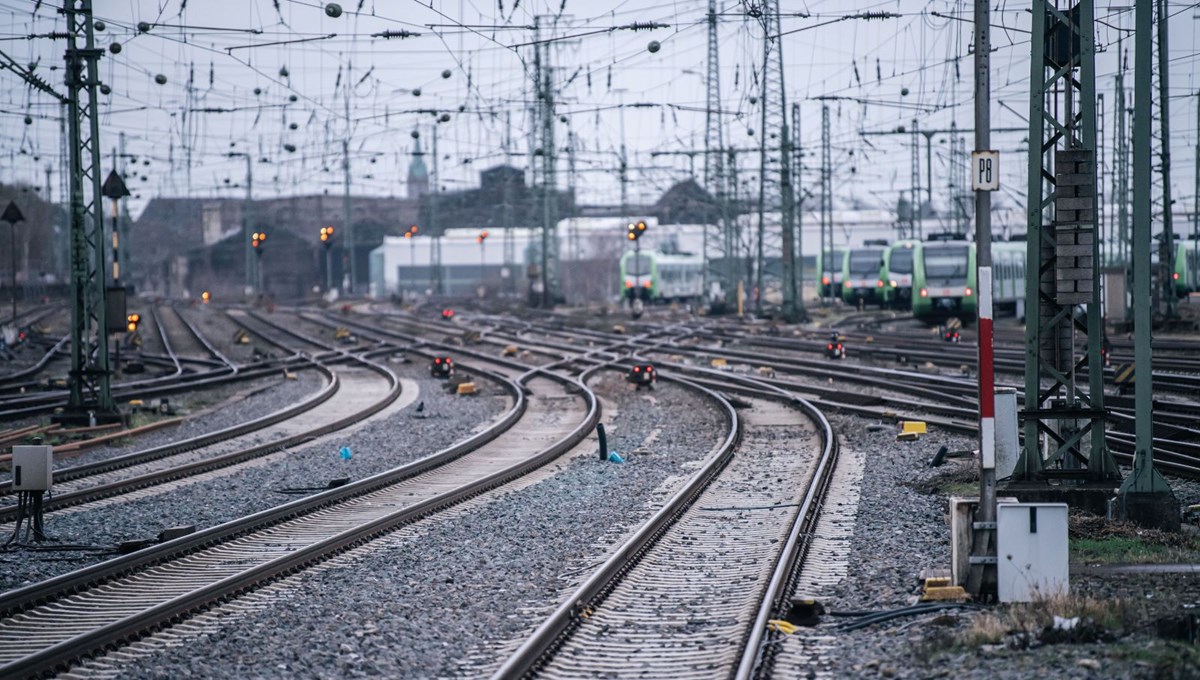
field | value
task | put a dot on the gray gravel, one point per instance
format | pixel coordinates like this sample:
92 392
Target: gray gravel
380 446
434 605
214 409
901 531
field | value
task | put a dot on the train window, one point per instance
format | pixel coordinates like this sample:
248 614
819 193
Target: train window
946 262
901 261
864 262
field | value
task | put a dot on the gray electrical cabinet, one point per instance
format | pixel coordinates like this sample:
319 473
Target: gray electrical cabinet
1031 546
33 468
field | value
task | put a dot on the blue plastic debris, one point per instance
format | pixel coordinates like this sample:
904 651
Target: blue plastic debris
345 452
614 457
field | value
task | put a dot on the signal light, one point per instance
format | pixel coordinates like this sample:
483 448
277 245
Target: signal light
641 374
205 297
632 236
447 313
131 322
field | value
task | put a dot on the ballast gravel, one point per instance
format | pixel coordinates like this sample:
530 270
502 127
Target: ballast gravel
379 446
451 597
211 410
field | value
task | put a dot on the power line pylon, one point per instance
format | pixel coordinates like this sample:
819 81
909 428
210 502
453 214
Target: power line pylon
1166 257
775 125
544 86
720 256
90 393
1064 411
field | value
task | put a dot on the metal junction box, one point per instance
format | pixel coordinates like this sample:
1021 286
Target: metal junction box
32 468
1031 544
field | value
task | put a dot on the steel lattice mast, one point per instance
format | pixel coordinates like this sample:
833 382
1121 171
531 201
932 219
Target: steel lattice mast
90 394
775 123
1064 409
720 257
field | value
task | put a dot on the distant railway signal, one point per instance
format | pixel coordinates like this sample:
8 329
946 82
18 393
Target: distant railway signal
132 321
634 231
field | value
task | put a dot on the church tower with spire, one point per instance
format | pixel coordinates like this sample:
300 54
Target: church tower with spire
418 174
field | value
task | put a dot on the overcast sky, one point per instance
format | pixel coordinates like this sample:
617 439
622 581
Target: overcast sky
216 57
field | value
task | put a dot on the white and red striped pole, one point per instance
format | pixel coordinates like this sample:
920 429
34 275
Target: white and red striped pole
981 580
987 383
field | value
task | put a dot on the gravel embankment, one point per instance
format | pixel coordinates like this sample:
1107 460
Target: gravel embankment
447 596
212 410
901 530
382 445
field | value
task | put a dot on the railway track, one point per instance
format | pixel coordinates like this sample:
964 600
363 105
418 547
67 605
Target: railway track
689 594
552 413
944 401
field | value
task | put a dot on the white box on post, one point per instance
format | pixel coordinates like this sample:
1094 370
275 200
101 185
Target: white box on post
33 468
1031 544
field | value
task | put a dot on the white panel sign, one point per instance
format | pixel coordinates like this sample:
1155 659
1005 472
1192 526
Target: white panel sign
985 170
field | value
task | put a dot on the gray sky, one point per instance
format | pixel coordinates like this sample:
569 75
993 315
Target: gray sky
889 71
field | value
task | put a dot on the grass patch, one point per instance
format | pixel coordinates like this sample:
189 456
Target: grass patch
1020 624
1096 540
961 489
1120 550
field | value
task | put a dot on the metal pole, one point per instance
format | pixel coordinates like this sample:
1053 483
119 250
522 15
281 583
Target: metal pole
982 574
346 221
1144 477
12 240
247 225
1167 260
328 268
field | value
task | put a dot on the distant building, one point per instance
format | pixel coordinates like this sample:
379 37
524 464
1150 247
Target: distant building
502 200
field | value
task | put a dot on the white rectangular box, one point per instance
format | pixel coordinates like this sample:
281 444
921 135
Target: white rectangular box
1008 445
33 468
1031 543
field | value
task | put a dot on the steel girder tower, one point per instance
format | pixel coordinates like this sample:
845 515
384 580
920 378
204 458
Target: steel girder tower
544 86
1166 257
917 212
90 393
1064 411
774 122
720 240
826 202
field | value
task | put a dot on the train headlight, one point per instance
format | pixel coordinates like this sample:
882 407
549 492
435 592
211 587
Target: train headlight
924 292
1175 276
879 283
825 280
629 284
968 291
892 283
645 284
